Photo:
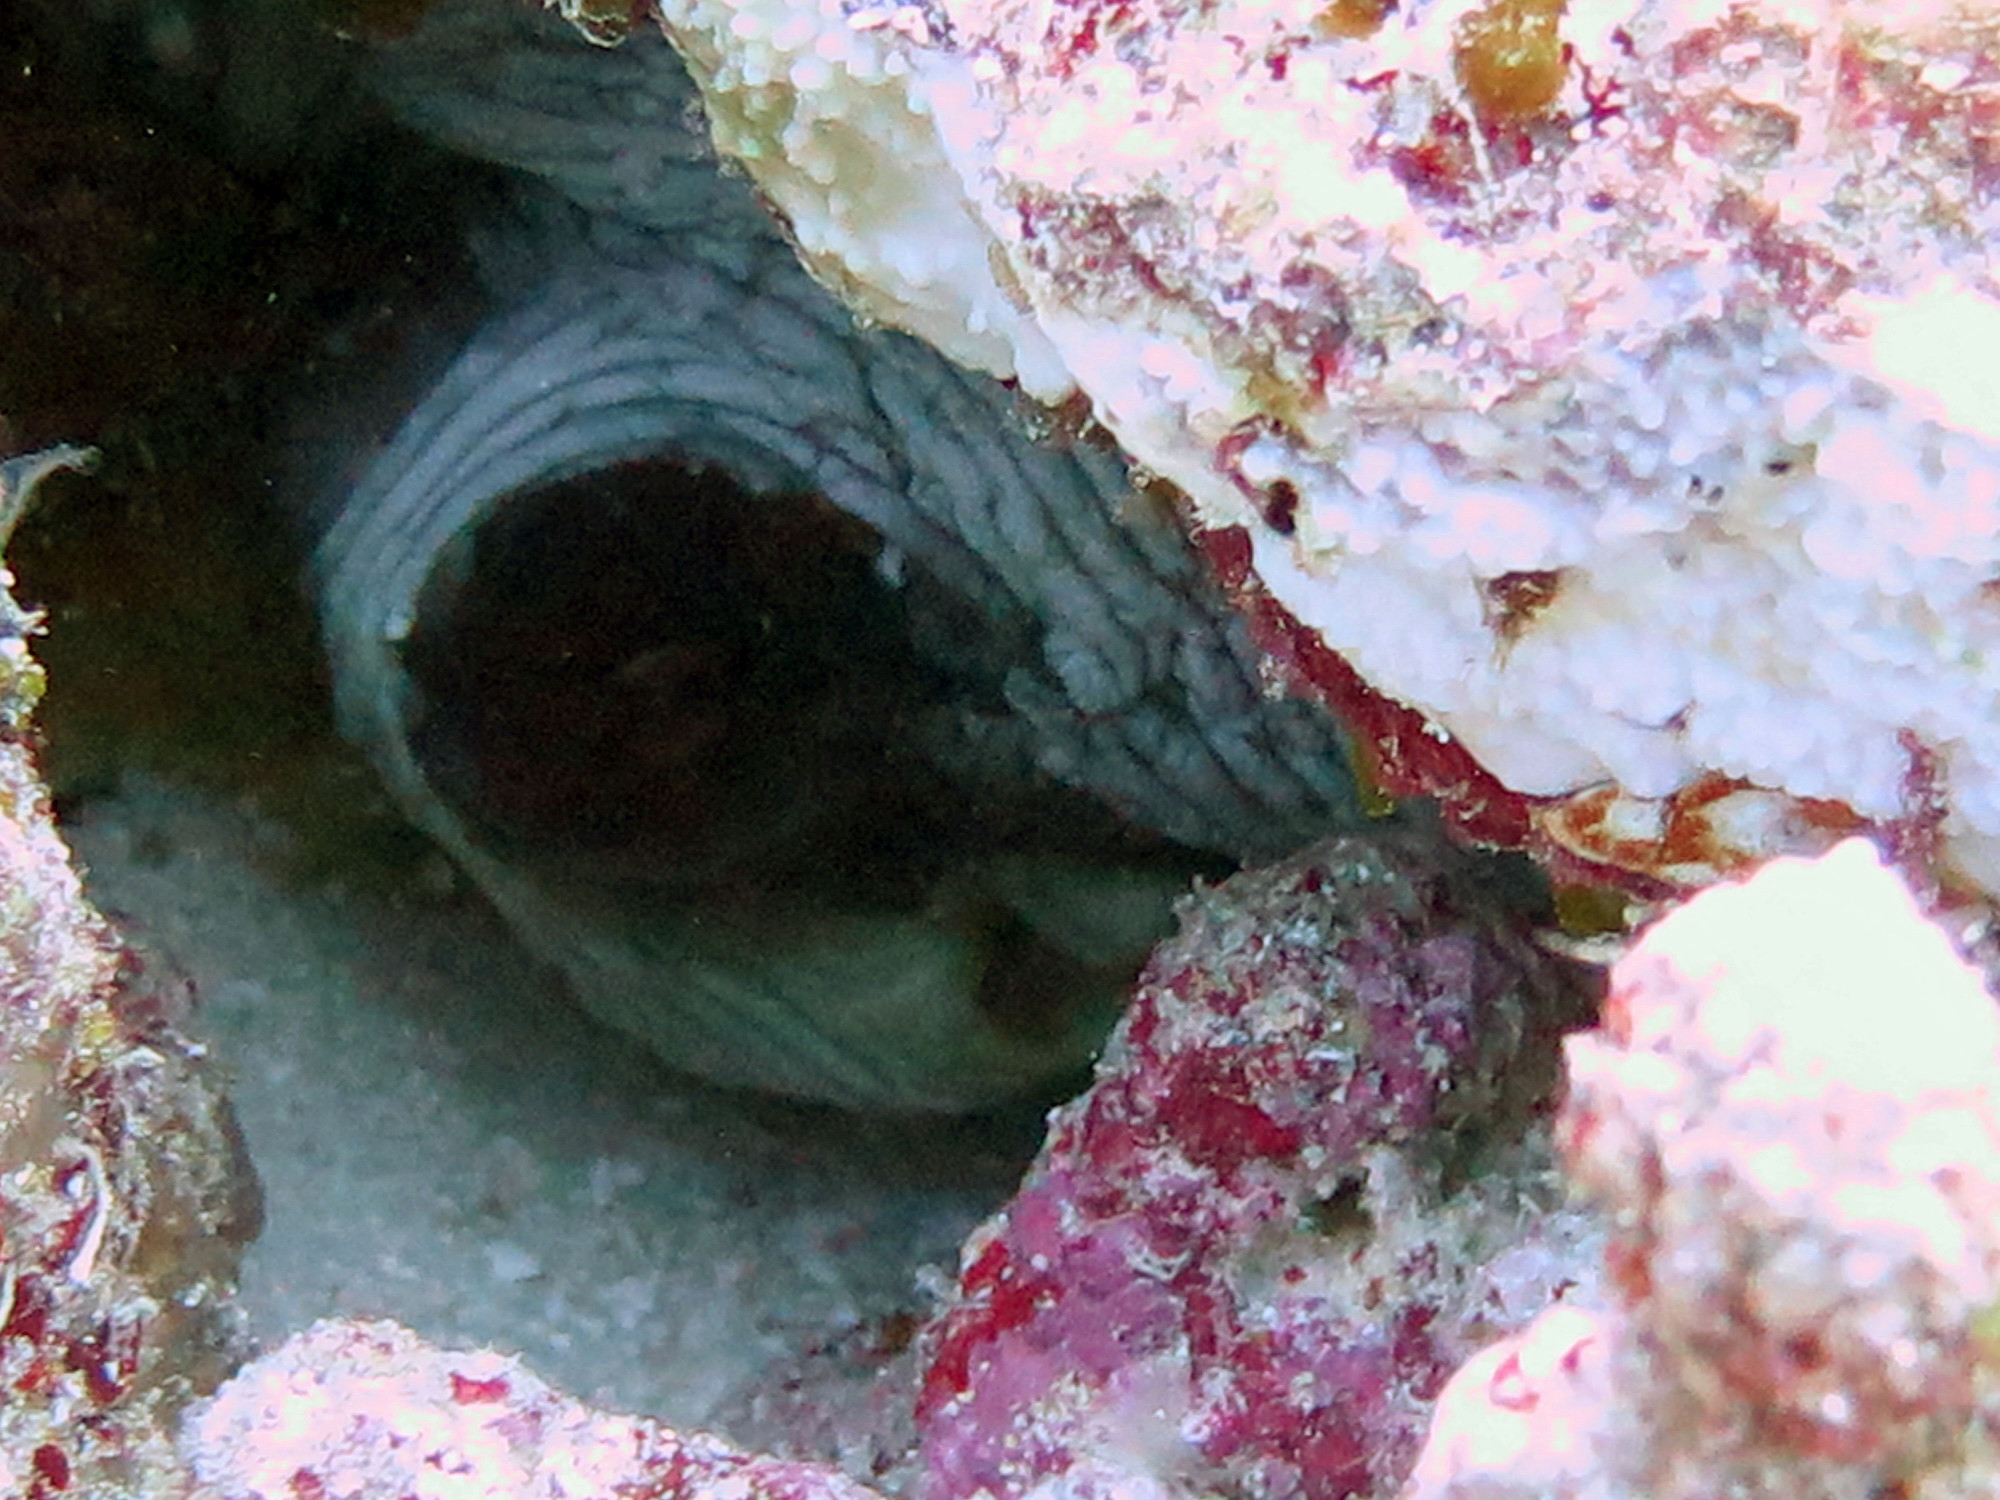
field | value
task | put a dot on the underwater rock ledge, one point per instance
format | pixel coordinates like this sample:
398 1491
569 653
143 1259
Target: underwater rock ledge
1597 397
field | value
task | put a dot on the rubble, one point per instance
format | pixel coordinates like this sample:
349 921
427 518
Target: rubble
368 1411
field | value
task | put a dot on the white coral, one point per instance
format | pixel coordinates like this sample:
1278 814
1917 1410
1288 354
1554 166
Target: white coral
1711 340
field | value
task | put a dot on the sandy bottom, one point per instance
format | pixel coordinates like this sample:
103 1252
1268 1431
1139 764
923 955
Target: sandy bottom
443 1140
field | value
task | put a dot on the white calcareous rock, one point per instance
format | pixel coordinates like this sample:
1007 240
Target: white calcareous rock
1611 382
781 688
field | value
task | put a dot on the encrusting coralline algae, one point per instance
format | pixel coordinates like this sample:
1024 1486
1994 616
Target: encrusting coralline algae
1787 1119
1610 383
1312 1175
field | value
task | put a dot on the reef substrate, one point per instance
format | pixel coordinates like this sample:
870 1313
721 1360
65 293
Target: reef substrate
1594 401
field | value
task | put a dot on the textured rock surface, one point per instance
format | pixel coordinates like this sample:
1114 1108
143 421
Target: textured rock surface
123 1198
1307 1182
1787 1117
367 1411
1539 350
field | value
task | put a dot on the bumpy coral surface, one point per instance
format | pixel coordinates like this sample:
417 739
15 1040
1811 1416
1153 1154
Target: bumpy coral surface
123 1197
1787 1116
368 1411
1611 382
1305 1184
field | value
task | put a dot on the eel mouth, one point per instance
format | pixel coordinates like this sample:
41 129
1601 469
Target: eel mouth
656 676
650 669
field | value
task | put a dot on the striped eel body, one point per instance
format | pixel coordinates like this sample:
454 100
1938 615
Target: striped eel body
827 728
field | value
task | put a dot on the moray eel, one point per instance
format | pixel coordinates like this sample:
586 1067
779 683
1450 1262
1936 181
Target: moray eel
830 731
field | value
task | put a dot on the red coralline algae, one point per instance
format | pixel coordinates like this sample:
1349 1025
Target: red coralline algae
1246 1258
1401 754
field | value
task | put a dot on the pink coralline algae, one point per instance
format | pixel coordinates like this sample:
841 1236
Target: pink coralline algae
1787 1118
368 1411
1307 1182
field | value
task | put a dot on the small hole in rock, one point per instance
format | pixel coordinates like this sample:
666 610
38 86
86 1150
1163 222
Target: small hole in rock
1343 1213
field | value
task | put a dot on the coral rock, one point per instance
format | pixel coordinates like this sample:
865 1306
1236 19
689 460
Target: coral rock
776 683
368 1411
1306 1183
124 1196
1788 1119
1607 382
